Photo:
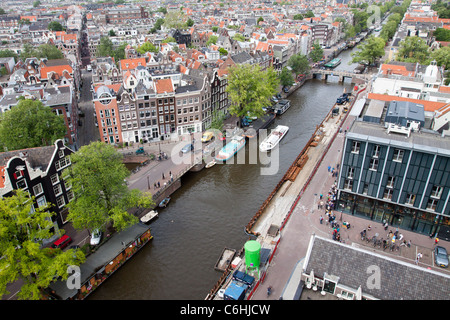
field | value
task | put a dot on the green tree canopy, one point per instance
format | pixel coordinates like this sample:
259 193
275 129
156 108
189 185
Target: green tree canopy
146 47
309 14
286 78
211 40
47 50
413 49
442 34
442 57
369 51
30 124
298 16
101 195
23 227
250 89
299 63
316 53
55 26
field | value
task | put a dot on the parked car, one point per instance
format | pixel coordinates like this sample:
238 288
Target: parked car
96 236
207 136
441 257
187 148
89 67
62 242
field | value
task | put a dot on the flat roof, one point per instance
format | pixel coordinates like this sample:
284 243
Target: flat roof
421 141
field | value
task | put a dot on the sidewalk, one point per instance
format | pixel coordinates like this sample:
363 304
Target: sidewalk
284 271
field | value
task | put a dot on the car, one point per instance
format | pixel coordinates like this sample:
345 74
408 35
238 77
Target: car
140 150
441 257
207 136
187 148
62 242
96 236
89 67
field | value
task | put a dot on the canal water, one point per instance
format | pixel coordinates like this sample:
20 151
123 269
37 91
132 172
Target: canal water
212 208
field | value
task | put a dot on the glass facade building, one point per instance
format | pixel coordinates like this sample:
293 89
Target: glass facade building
400 179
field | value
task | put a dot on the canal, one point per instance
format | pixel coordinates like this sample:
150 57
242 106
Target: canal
212 208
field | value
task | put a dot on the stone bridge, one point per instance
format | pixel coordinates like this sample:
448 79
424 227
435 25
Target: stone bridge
324 73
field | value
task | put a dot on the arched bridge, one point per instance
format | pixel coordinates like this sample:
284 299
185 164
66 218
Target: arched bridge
339 73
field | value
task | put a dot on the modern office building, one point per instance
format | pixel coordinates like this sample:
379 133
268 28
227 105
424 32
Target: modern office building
396 171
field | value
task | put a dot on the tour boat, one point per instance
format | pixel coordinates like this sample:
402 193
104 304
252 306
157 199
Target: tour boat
273 138
149 216
281 106
231 148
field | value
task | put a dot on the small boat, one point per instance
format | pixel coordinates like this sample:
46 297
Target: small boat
273 138
333 63
231 148
149 216
281 106
164 203
225 259
210 164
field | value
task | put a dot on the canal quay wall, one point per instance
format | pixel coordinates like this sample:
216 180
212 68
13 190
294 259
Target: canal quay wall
275 211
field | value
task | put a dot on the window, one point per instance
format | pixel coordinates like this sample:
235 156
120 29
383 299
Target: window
432 203
41 202
37 189
60 201
376 151
355 146
57 189
390 182
373 165
398 155
410 198
351 173
21 184
54 178
348 184
61 163
61 154
387 194
365 188
436 192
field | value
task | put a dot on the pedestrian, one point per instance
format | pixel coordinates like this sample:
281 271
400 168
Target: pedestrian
436 240
321 204
321 219
419 256
159 185
163 176
329 168
154 185
321 195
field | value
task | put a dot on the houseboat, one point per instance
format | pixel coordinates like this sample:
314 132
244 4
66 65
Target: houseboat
281 106
231 148
333 63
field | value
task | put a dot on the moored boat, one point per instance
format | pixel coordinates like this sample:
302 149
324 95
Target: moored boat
273 138
225 259
149 216
281 106
164 202
210 164
333 63
231 148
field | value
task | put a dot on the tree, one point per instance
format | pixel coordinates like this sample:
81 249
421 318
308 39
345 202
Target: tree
105 47
299 64
112 33
55 26
211 40
2 11
159 22
250 89
442 57
316 53
8 53
286 78
238 37
30 124
101 195
23 227
298 16
413 49
223 52
189 22
442 34
47 51
36 4
259 20
168 40
146 47
369 51
309 14
175 20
